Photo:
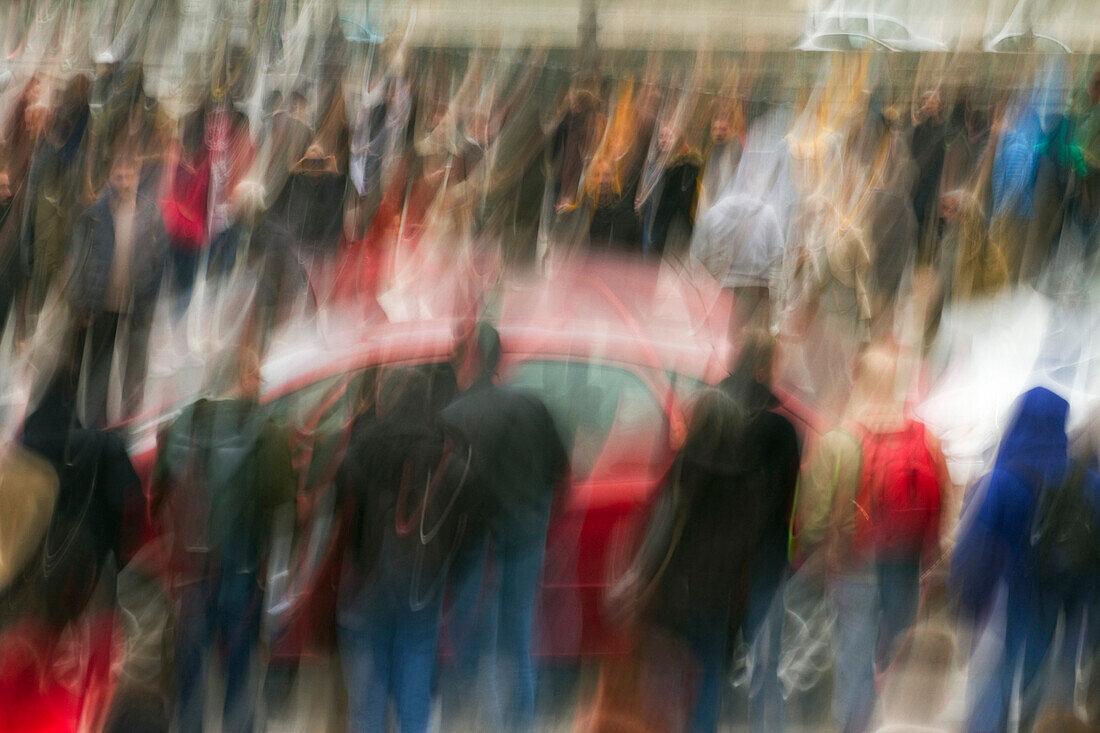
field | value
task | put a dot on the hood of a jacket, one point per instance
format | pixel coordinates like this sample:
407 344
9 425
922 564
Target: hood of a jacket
1035 444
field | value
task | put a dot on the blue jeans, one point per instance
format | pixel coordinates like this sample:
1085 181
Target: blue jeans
707 638
855 598
492 624
899 597
763 631
225 608
391 653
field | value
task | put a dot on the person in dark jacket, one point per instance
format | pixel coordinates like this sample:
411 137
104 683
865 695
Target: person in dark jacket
518 460
98 489
669 210
401 471
222 477
52 184
771 435
116 260
928 146
714 502
994 551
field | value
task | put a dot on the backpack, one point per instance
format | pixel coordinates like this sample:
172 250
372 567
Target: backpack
1065 534
899 496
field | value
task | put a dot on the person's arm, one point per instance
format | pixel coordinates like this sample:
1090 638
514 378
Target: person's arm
934 541
827 487
26 240
276 466
979 554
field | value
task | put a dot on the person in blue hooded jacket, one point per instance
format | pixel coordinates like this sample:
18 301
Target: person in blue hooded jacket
994 547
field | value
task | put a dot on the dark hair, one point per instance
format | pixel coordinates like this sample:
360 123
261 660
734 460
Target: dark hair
488 347
757 353
404 391
717 421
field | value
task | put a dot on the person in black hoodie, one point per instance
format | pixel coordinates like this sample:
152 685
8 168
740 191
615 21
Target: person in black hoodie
98 487
402 471
708 522
772 437
518 460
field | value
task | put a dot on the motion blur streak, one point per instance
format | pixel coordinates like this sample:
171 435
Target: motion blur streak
587 365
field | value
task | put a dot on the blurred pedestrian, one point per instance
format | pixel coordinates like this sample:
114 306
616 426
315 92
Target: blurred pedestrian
701 540
405 475
871 507
116 261
518 463
1029 530
222 473
772 436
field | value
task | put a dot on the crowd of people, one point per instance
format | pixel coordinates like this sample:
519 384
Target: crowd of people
844 218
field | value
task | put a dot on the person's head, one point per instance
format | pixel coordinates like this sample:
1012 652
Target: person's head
875 378
71 103
720 129
249 378
756 360
716 421
477 353
124 175
931 105
404 392
951 204
915 689
5 188
668 137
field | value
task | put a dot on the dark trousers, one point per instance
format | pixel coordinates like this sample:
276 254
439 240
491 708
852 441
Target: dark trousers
97 353
221 611
492 620
899 598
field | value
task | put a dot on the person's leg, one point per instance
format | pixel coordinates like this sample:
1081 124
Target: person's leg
989 711
763 630
414 667
899 595
366 653
193 635
520 572
183 266
466 625
100 344
239 620
1035 674
137 361
708 645
855 599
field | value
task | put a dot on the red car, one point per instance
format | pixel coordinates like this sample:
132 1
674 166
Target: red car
614 349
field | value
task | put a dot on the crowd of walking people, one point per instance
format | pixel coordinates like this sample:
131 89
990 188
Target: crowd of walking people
846 219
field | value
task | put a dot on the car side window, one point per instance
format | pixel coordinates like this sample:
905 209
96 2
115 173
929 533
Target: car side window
890 30
608 418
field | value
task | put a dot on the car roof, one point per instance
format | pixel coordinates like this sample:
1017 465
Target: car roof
600 308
